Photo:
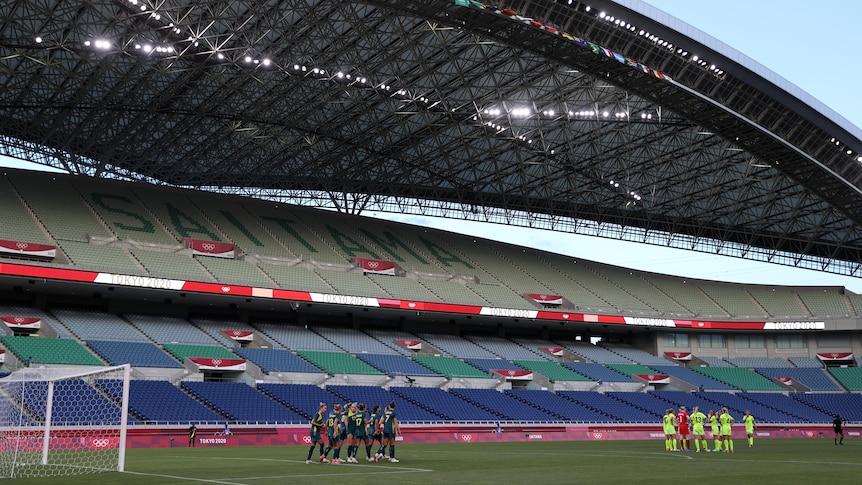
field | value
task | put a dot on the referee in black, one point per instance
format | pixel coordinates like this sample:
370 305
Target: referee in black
839 429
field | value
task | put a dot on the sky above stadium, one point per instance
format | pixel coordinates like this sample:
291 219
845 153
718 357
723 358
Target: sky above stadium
809 44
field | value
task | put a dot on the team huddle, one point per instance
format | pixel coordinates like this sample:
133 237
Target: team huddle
680 425
354 425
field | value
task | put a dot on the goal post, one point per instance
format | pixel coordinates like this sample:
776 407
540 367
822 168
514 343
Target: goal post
57 421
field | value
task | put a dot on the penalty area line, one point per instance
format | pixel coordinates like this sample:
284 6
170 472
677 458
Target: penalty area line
381 466
188 479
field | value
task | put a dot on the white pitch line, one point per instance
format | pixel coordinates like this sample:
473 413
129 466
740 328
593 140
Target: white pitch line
621 453
188 479
350 465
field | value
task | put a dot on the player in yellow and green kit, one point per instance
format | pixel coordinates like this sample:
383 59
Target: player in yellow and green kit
698 419
726 420
669 426
748 419
318 425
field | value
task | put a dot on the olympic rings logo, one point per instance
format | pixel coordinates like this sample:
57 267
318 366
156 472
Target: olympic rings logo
101 442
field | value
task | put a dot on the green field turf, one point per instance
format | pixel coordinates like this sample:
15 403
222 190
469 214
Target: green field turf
780 461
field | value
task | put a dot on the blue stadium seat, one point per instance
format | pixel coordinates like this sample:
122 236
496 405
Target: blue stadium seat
694 378
813 379
643 400
138 354
75 403
558 405
305 399
596 372
488 364
276 360
242 403
788 405
444 404
371 395
504 404
396 365
614 409
160 402
737 404
849 406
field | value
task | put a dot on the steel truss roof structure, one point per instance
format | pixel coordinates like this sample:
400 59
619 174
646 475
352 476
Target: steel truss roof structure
438 108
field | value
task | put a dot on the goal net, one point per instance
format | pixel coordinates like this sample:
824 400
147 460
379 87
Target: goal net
60 421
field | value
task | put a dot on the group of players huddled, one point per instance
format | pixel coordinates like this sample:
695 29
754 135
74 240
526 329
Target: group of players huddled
354 426
677 431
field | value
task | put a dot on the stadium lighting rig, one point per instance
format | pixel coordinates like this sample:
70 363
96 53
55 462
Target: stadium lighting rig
655 39
168 41
847 150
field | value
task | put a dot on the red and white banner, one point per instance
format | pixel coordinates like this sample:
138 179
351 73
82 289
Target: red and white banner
22 322
835 355
558 351
206 363
679 355
211 248
28 248
514 374
784 380
376 266
2 356
148 282
545 299
654 378
239 335
411 344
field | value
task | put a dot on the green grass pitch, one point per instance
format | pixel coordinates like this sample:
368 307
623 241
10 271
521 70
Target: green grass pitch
779 461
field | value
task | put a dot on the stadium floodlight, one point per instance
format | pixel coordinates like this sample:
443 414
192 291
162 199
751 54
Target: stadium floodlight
53 421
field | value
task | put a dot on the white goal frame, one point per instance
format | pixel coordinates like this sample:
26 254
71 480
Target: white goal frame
48 430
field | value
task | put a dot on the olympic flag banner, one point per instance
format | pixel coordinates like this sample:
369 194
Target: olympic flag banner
22 322
27 248
376 266
543 299
679 355
239 335
654 378
514 374
556 351
835 355
211 248
411 344
206 363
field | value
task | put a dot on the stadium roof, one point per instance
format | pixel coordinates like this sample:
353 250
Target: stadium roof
589 117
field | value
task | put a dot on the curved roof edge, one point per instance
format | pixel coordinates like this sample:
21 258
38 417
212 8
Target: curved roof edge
723 49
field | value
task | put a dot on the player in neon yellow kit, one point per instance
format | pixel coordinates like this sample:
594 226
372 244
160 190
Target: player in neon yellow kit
698 419
716 434
669 426
748 419
726 421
